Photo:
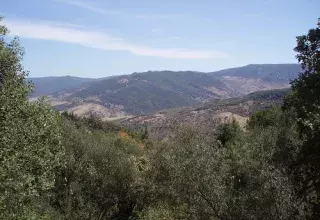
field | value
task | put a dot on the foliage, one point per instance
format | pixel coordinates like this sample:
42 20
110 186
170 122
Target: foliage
305 102
101 175
29 136
161 212
269 94
264 118
226 133
306 88
242 181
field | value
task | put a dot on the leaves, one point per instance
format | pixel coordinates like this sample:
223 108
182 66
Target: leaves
30 139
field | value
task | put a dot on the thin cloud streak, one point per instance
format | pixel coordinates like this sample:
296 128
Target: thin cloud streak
100 40
94 8
88 6
154 16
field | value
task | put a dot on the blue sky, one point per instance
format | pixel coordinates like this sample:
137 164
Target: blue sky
98 38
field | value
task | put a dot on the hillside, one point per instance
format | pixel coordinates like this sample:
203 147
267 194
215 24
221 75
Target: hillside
265 72
257 77
144 93
47 85
206 116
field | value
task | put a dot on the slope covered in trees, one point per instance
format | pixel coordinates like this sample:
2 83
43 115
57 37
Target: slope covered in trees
59 166
144 93
48 85
267 72
205 116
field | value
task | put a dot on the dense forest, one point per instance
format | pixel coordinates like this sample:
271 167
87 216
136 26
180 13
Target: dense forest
59 166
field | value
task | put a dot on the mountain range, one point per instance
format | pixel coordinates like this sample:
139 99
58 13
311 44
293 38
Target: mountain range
47 85
147 92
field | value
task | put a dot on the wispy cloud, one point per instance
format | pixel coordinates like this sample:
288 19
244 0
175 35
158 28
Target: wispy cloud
154 16
100 40
89 6
85 4
165 39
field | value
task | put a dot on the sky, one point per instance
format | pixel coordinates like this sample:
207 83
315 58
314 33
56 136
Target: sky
99 38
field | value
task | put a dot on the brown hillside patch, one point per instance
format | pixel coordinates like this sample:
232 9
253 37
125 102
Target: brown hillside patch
123 134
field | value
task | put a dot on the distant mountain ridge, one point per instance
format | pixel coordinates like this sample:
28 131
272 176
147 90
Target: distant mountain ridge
52 84
146 92
267 72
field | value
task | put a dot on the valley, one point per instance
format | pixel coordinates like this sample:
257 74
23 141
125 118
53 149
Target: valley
206 116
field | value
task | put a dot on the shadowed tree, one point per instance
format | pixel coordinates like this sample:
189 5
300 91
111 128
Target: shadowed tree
305 101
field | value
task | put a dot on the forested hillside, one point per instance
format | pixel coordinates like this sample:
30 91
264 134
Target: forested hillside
60 166
145 93
48 85
206 116
267 72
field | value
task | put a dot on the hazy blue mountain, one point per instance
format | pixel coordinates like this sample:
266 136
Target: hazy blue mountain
143 93
47 85
267 72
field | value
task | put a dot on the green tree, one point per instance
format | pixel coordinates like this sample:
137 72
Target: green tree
30 148
226 133
305 102
145 133
198 179
305 96
100 179
160 212
264 118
